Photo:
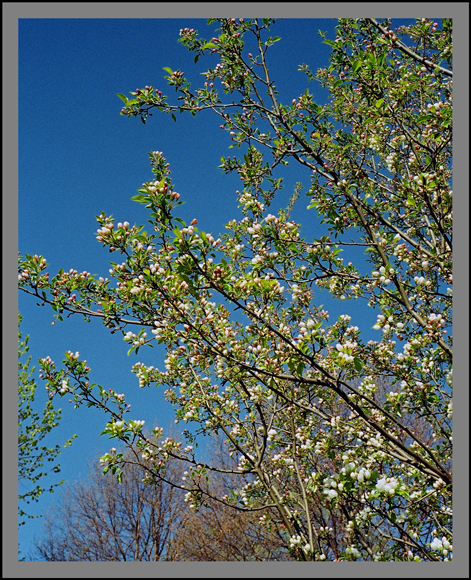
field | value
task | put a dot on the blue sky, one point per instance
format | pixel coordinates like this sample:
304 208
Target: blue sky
79 157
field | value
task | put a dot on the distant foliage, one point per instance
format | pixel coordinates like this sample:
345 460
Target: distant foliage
32 429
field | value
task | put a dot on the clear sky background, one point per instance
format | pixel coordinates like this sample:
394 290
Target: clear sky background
78 157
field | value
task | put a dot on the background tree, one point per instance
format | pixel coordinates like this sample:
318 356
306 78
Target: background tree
99 519
217 532
250 352
32 429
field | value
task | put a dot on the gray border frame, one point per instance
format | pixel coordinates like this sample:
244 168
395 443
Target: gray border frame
459 11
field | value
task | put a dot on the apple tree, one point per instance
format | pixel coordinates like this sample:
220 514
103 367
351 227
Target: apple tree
346 439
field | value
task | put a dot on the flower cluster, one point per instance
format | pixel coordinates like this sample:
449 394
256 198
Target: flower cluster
387 485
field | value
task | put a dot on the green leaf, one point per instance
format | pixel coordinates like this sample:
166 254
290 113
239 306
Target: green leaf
358 364
174 118
272 40
356 65
123 98
140 198
378 103
208 45
169 70
300 368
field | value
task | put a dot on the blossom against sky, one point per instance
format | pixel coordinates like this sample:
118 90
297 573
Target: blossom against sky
78 157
